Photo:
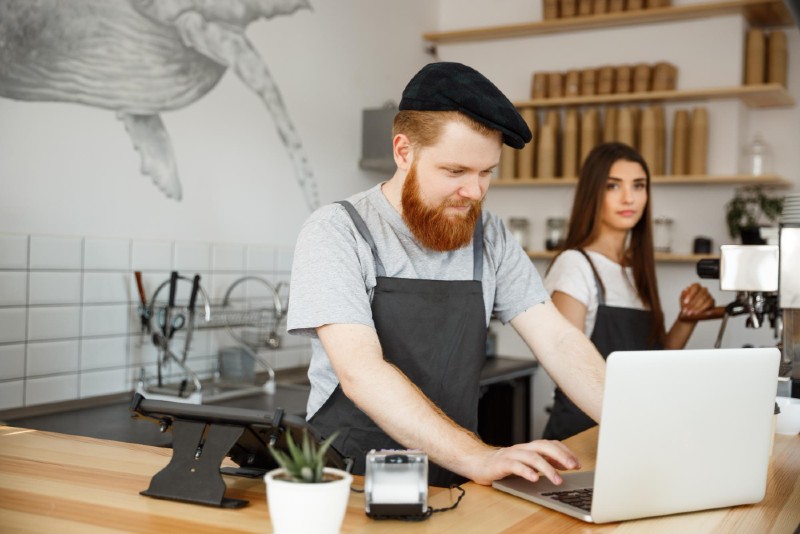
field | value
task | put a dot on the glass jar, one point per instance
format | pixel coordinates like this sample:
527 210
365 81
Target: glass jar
556 227
662 234
756 157
520 229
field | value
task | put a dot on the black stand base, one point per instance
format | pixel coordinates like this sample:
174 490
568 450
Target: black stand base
193 473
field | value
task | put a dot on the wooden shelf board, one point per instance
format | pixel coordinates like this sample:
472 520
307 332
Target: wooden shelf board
682 258
737 179
660 256
766 95
757 12
769 180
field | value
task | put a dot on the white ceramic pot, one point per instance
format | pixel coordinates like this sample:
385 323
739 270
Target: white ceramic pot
299 508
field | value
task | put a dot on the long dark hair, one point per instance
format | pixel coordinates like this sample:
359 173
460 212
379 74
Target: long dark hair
584 226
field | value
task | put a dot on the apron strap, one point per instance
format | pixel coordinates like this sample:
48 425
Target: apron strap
601 290
361 226
477 250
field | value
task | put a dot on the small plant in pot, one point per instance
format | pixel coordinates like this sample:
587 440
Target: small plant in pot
750 209
302 494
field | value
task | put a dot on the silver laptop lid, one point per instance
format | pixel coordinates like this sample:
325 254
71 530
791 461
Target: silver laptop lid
684 430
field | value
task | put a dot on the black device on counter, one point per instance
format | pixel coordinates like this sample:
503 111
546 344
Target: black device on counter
203 435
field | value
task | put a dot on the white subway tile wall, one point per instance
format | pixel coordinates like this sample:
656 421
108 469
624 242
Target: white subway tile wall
107 288
54 288
152 255
11 394
105 320
13 251
56 252
53 323
49 389
52 357
192 256
12 361
12 325
14 288
283 259
107 254
104 352
260 258
228 257
69 322
94 383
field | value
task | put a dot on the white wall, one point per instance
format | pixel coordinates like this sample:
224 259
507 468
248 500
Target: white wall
707 53
71 169
69 179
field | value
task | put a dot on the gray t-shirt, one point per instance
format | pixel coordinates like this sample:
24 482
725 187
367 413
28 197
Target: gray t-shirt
333 274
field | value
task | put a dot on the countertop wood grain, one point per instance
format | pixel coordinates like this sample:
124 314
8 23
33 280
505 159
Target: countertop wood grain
52 482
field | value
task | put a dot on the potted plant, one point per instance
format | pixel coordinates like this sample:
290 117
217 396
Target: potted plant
749 210
302 494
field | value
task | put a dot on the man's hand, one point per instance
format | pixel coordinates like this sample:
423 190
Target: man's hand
527 460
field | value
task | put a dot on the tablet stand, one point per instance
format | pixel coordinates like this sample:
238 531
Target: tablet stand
193 473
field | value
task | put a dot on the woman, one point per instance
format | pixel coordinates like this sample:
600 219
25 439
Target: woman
604 280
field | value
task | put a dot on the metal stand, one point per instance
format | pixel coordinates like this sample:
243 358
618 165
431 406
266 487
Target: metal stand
193 473
252 326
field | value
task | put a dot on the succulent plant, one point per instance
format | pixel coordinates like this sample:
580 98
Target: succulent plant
303 463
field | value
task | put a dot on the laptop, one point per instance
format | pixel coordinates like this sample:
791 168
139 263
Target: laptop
681 431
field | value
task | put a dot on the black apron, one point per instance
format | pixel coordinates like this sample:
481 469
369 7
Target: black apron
434 331
615 328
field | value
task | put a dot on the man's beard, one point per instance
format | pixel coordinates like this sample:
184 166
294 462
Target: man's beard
431 226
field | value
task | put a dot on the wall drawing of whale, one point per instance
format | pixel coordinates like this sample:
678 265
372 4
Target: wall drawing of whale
139 58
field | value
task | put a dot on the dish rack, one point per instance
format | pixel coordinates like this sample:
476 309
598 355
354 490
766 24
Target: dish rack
253 323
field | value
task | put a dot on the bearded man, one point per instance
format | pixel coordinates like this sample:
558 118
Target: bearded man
396 285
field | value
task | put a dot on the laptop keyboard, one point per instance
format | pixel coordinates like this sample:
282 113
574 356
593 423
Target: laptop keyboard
581 498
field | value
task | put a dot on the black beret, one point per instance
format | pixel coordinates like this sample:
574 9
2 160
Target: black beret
448 86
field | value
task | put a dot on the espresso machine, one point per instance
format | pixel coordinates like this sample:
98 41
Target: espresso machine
766 279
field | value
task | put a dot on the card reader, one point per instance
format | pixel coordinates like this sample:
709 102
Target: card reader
396 484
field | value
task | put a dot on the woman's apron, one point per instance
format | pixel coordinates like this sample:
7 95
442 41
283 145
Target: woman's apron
434 332
615 328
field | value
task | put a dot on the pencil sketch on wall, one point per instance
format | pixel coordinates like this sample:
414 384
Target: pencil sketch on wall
139 58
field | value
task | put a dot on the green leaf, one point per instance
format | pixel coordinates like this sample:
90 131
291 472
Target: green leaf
303 463
752 206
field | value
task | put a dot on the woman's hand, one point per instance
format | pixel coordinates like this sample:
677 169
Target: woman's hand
695 302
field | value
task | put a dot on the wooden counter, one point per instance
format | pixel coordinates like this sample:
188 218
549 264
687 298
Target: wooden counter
53 482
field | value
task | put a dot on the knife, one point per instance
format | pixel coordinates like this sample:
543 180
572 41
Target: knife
190 327
144 313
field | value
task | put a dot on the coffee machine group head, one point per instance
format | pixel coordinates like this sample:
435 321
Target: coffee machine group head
766 279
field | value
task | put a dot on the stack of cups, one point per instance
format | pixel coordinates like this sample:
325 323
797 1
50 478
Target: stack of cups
791 209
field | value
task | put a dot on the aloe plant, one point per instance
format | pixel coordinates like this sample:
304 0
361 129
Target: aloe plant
303 463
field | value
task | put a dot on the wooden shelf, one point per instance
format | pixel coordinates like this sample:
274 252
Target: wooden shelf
768 95
768 180
757 12
660 256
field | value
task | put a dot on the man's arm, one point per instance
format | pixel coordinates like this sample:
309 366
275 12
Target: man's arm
566 353
410 418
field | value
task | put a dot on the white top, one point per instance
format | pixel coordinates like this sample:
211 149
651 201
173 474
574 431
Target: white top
571 274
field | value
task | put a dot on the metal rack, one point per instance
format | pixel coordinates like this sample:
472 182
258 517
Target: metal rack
253 323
